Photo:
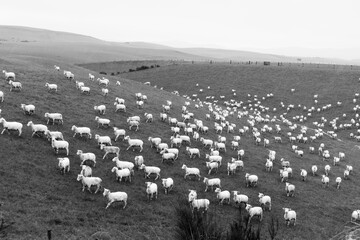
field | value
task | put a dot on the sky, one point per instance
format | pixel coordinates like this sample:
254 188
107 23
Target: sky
289 27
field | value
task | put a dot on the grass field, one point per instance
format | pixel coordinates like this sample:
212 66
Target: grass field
37 197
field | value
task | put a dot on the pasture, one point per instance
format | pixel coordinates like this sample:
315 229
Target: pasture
37 197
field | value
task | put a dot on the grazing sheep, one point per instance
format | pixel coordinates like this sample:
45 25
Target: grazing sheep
175 141
231 168
60 144
151 190
103 140
222 196
268 165
119 132
134 143
139 160
154 141
355 215
184 138
54 117
110 149
238 163
341 156
240 198
289 216
86 157
217 159
81 131
327 169
207 142
148 170
338 181
103 81
193 152
84 89
64 165
123 164
51 87
86 171
254 211
264 201
303 174
290 189
168 156
37 128
284 163
91 77
54 134
251 180
314 169
28 109
240 154
133 123
211 183
336 161
104 91
122 173
211 166
191 171
284 175
163 117
90 181
349 168
325 180
161 146
168 184
15 85
115 197
175 151
198 203
149 117
346 174
9 75
79 84
102 121
101 109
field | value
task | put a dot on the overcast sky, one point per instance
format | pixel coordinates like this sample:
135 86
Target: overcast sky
278 26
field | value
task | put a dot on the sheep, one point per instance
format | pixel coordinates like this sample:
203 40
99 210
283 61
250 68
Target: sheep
2 96
133 123
139 160
28 109
79 84
161 146
166 108
54 117
168 184
60 144
191 171
349 168
284 175
86 156
240 154
16 126
211 183
251 180
104 91
254 211
303 174
211 166
266 142
81 131
175 151
91 77
69 75
86 171
139 104
103 140
299 152
240 198
134 143
154 141
231 168
338 181
341 156
37 128
151 190
172 121
314 169
327 169
268 165
217 159
175 141
277 139
84 89
220 146
290 189
54 134
148 170
346 174
102 121
119 132
101 109
64 165
8 75
184 138
196 136
355 215
110 149
289 216
336 161
122 173
284 163
115 197
163 117
168 156
123 164
238 163
222 196
51 87
207 142
15 85
103 81
214 152
325 180
90 181
198 203
149 117
193 152
264 201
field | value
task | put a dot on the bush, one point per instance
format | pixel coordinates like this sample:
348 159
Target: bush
104 73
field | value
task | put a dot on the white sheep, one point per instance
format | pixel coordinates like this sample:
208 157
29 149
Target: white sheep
240 154
314 169
289 216
327 169
191 171
211 183
79 84
54 134
193 152
231 168
211 166
338 181
151 190
122 173
341 156
161 146
198 203
175 151
175 141
123 164
154 141
8 75
336 160
28 109
115 197
325 180
119 101
84 89
238 163
60 144
2 96
86 171
349 168
264 201
303 174
299 152
214 152
13 126
101 109
290 189
103 81
355 215
110 149
120 107
104 91
251 180
240 198
220 146
163 117
149 117
134 143
222 195
254 211
103 140
284 175
54 117
346 174
269 165
184 138
284 163
37 128
207 142
90 181
81 131
15 85
133 123
119 132
139 160
51 87
148 170
102 121
64 165
86 157
139 104
91 77
168 184
168 156
217 159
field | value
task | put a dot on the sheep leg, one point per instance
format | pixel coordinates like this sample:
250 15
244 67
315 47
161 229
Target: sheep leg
98 188
105 155
141 148
129 147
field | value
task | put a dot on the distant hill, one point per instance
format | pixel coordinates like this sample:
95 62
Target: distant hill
21 41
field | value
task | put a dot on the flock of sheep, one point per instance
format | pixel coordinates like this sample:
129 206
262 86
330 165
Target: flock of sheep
256 123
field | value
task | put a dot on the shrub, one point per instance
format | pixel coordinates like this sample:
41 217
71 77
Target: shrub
104 73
